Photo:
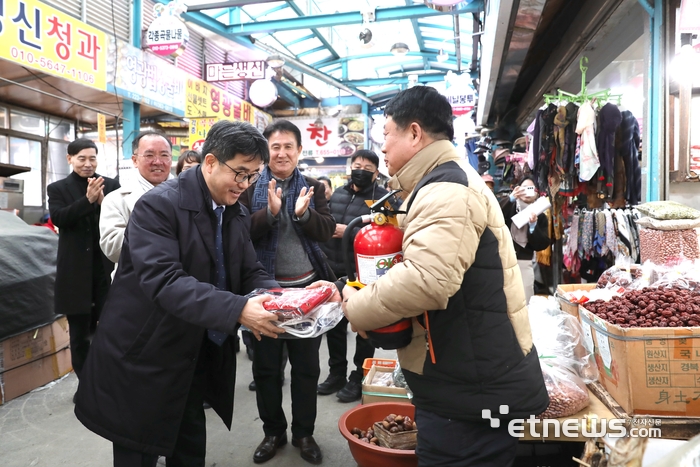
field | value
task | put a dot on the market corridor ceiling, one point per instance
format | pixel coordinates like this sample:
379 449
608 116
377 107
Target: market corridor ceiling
325 36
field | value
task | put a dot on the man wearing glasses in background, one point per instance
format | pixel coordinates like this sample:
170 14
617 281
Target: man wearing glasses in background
164 342
152 156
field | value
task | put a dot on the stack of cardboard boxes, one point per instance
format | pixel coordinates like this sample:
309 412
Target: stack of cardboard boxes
34 358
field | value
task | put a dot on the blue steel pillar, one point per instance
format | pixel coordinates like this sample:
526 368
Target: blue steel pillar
132 110
365 112
654 130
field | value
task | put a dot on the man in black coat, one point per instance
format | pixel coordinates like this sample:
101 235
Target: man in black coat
162 346
82 270
290 217
347 203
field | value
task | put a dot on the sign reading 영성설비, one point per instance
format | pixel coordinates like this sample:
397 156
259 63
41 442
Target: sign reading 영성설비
37 36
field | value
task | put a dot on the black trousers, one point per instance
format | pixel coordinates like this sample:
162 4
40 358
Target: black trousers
338 349
80 329
268 360
445 442
191 444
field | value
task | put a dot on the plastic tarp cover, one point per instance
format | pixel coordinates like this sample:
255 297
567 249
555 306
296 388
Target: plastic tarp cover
27 275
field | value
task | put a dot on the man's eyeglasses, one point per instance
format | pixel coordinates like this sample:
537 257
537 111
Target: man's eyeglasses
152 157
241 177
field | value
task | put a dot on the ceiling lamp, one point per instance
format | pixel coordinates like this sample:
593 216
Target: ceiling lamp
399 49
443 5
318 123
262 93
442 56
275 61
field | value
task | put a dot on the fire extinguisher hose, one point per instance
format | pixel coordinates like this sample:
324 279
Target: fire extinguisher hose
348 251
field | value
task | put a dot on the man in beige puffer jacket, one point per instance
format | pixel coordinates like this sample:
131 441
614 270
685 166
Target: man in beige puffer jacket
459 282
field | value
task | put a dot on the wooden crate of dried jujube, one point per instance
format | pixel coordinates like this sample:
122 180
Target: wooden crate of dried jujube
397 432
668 246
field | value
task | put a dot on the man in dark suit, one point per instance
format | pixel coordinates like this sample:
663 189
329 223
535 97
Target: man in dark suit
82 270
163 346
290 216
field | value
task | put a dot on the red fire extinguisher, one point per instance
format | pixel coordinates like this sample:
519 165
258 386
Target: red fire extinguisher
377 247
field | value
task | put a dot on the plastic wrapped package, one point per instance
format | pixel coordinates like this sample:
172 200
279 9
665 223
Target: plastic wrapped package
303 313
293 303
685 275
400 381
568 394
383 379
559 339
319 321
628 276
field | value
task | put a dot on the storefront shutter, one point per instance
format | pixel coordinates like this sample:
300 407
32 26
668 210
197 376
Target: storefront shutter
215 54
101 12
193 56
72 7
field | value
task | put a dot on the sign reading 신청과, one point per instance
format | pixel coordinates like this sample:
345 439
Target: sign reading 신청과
235 71
37 36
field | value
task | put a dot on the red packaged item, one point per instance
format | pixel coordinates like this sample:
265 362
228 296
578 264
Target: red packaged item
294 303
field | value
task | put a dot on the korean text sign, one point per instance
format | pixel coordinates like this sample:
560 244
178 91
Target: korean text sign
147 78
37 36
206 100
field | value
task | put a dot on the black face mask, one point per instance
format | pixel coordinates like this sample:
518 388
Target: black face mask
361 178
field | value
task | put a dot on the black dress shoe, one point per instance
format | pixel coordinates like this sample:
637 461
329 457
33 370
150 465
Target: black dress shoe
252 386
268 448
310 451
332 384
351 392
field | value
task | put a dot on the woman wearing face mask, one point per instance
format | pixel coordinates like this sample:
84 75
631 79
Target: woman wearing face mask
347 203
531 237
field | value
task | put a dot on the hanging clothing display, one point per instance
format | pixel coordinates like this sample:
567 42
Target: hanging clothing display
588 156
599 237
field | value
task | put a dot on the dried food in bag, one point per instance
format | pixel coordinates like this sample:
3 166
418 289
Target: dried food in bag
568 394
559 338
668 210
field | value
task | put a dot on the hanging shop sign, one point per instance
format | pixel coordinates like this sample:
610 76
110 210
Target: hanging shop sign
143 77
101 128
235 71
331 137
461 98
167 34
199 127
37 36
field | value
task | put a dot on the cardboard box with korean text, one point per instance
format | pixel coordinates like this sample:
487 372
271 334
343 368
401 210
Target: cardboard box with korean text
564 303
34 344
34 358
21 380
648 371
376 393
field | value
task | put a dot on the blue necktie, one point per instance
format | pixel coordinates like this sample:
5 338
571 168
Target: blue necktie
219 337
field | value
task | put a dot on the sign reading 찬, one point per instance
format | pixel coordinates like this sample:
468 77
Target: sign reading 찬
37 36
